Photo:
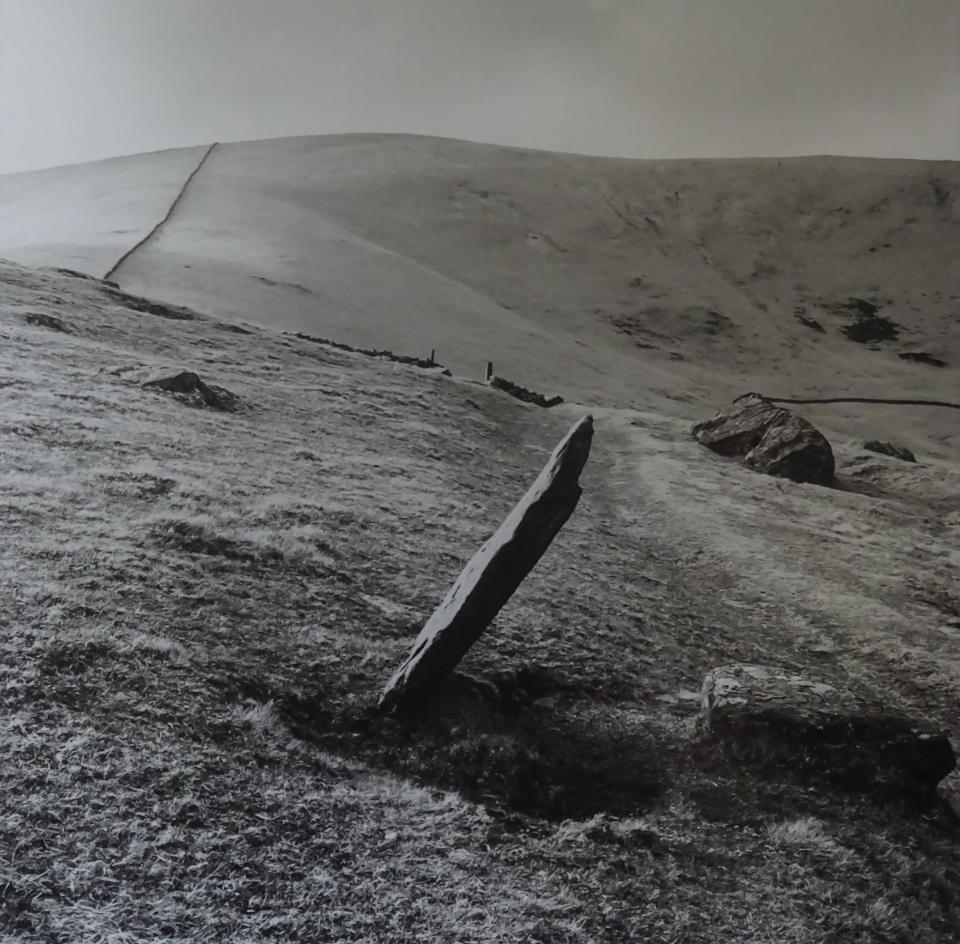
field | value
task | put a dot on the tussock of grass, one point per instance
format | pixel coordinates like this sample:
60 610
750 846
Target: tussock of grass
803 831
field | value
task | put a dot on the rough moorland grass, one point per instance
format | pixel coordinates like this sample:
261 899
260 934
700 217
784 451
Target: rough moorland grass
199 609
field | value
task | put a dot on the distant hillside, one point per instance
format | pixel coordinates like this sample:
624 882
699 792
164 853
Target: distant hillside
615 281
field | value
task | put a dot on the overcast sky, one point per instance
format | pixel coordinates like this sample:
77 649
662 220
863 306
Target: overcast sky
84 79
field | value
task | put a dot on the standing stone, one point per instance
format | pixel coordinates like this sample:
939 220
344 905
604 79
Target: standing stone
494 572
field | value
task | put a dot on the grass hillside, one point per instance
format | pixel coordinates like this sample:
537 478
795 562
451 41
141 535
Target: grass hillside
667 284
204 601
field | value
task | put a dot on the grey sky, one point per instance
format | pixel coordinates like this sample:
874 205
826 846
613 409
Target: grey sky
83 79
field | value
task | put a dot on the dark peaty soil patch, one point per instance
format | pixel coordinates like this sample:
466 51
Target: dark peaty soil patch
868 325
868 330
858 307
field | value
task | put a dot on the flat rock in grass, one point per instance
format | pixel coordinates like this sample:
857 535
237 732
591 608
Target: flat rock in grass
192 390
786 724
494 573
769 439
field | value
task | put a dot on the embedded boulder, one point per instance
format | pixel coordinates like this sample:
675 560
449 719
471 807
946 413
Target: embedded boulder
786 725
769 439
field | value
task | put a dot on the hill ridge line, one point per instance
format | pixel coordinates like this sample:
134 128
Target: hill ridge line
111 272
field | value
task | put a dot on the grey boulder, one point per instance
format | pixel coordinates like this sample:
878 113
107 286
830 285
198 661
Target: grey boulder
769 439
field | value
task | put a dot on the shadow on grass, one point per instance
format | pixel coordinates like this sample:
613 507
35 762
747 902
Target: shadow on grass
501 743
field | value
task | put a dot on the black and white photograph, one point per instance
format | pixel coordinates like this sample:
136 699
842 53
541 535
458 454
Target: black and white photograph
479 471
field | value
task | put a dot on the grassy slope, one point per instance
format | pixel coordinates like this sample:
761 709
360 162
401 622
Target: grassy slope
86 220
630 283
205 604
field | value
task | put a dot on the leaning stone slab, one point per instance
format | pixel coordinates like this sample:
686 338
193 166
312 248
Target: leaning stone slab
494 572
787 725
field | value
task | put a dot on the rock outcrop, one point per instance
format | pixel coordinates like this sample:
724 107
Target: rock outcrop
890 449
190 389
42 320
788 725
769 439
493 573
922 357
